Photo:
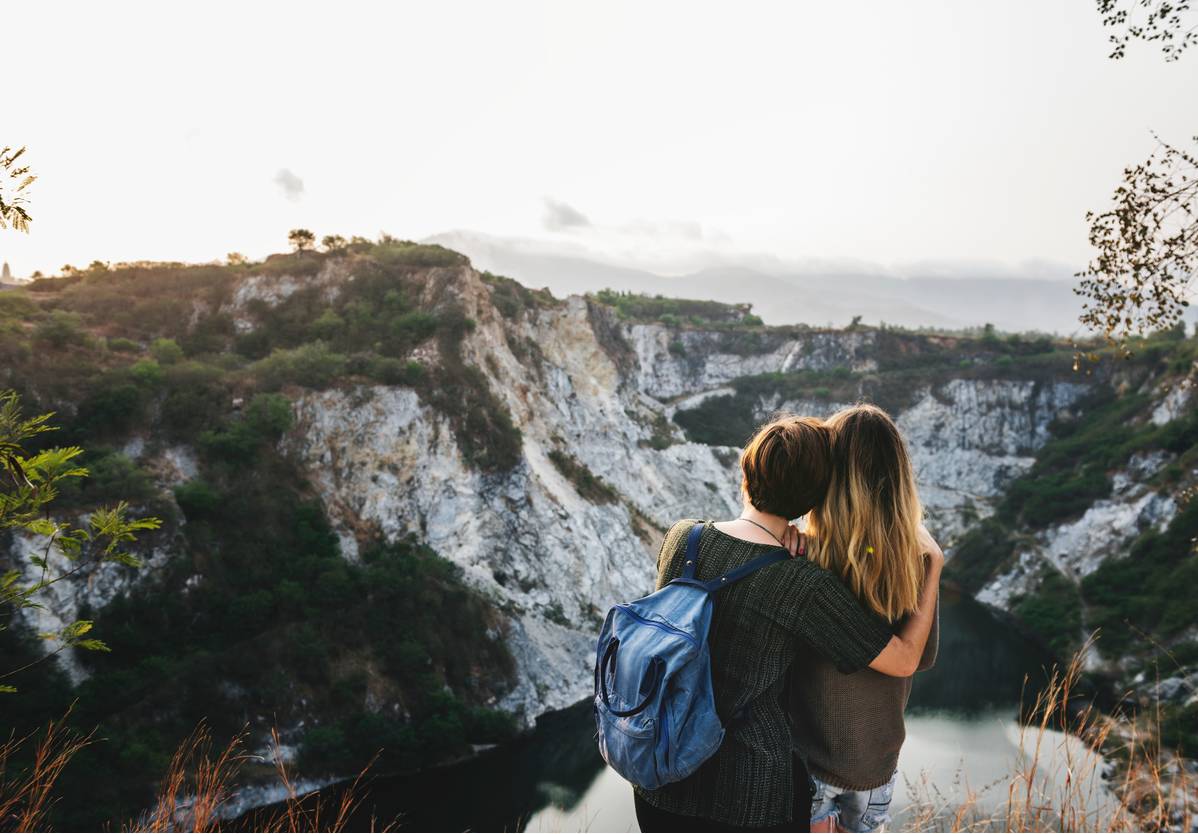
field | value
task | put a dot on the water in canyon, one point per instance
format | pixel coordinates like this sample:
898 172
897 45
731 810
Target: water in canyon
962 739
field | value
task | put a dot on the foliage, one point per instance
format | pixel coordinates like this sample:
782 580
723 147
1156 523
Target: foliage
589 485
984 549
1170 23
676 311
301 239
31 483
166 351
1147 247
1140 592
512 298
1054 612
312 365
13 198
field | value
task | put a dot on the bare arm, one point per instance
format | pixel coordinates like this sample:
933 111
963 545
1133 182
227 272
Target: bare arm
900 658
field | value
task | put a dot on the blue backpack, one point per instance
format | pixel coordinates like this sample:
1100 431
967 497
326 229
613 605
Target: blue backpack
654 704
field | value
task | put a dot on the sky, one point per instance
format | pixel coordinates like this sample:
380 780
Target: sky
909 135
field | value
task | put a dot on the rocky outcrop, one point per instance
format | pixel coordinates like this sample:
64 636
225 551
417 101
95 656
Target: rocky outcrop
577 381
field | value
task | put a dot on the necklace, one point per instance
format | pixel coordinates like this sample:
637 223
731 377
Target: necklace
762 526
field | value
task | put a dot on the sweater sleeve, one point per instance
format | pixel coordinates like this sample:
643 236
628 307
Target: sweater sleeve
833 622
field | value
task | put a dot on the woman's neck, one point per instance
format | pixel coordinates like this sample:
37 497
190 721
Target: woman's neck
754 525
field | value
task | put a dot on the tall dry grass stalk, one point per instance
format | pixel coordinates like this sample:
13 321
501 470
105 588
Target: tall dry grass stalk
26 795
201 783
1078 770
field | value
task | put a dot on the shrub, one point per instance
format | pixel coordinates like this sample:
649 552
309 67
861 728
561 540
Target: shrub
587 483
123 345
1054 612
166 351
312 365
60 329
980 553
198 499
146 372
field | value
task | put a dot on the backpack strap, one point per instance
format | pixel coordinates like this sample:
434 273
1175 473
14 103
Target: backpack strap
737 574
692 550
691 564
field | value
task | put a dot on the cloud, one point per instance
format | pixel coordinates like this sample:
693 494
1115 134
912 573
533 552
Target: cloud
560 216
290 184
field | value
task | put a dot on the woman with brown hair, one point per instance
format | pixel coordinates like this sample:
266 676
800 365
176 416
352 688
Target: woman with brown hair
759 627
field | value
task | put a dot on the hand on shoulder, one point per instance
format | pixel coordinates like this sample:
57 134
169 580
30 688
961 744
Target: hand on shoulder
930 548
794 540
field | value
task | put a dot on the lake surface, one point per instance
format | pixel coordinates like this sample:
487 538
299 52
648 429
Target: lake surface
962 736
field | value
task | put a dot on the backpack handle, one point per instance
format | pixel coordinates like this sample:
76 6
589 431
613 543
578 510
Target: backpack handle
601 681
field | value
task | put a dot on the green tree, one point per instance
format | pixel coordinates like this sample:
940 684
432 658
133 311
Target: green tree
14 179
235 259
28 485
333 243
301 239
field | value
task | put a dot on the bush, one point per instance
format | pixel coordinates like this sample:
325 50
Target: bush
1140 591
123 345
198 499
312 365
981 553
1054 612
587 483
60 329
166 351
265 420
146 372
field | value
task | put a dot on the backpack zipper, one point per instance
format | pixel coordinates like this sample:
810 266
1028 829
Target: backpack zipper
656 624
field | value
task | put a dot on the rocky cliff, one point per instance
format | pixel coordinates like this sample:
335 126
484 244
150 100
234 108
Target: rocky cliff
602 402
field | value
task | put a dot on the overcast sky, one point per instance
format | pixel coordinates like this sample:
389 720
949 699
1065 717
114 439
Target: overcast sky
892 133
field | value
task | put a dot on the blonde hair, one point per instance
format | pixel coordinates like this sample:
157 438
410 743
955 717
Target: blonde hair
866 529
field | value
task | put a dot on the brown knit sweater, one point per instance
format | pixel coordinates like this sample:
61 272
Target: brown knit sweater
757 627
850 728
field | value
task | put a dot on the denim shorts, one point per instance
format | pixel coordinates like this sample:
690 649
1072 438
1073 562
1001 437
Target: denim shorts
860 811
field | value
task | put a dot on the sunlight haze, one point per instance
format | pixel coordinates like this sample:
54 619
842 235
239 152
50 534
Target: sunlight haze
932 136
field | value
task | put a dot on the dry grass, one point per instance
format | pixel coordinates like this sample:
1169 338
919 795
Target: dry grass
26 796
201 782
195 795
1079 770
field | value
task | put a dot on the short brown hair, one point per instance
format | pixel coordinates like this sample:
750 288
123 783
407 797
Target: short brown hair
787 466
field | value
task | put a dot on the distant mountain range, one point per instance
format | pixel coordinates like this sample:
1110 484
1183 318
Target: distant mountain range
816 298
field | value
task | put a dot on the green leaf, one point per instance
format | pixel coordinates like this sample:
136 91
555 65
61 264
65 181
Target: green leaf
93 645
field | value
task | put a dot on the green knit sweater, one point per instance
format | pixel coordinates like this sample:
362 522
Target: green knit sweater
758 627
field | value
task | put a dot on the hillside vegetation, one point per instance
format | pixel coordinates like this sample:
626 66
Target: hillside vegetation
260 619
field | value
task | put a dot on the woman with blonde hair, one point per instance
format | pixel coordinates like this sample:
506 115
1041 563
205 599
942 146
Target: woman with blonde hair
868 532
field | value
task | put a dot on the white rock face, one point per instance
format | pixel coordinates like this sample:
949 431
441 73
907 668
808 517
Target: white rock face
386 464
968 440
60 603
1104 532
700 361
273 289
1174 404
